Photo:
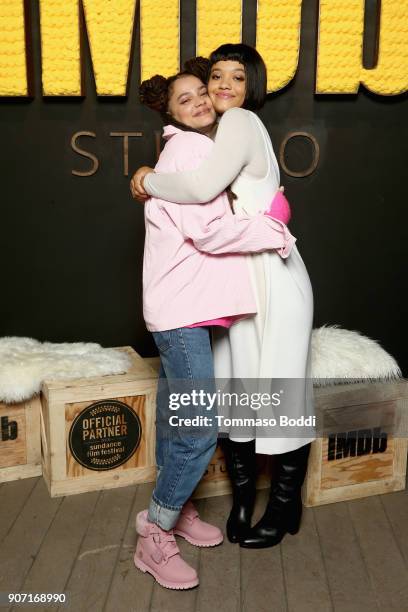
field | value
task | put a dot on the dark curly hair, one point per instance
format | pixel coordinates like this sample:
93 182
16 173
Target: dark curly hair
199 67
155 92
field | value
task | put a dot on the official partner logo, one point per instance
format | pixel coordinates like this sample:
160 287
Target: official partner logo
105 435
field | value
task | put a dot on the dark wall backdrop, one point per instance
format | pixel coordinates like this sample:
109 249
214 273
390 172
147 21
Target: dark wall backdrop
73 246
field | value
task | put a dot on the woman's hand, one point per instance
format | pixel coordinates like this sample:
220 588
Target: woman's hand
136 184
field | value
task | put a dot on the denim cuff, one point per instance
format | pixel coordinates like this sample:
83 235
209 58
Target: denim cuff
163 517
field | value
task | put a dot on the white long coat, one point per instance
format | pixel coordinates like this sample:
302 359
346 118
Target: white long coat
276 343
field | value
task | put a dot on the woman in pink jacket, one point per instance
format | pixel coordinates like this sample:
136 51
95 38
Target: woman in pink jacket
193 277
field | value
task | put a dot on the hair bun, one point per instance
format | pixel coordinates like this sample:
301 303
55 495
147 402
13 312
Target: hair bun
153 93
199 67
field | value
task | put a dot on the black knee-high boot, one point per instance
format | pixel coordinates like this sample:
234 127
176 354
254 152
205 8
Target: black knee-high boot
240 459
284 509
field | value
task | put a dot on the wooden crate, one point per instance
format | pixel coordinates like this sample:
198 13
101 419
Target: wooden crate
153 362
98 433
216 482
20 441
355 461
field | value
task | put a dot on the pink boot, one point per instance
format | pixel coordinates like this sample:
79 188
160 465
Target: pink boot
190 527
157 553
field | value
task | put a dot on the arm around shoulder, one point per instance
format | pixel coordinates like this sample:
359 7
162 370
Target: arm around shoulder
227 158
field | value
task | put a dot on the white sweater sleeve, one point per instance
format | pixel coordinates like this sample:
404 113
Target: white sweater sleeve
230 154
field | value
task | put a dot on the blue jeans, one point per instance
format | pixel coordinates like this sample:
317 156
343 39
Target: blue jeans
183 450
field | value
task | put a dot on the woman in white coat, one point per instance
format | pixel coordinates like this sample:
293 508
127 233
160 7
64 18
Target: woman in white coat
274 344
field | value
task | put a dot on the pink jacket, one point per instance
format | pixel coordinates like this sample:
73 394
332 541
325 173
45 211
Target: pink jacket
194 268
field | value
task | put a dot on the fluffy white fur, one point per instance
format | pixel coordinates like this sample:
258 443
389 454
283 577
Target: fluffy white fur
25 363
340 353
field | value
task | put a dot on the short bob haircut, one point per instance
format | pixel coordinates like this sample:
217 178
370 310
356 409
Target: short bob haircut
255 71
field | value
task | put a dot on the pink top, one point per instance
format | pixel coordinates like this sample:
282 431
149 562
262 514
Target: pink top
222 321
194 268
279 208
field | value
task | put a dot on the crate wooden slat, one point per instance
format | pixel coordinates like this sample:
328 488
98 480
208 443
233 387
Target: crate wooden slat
20 456
64 400
154 362
216 481
337 474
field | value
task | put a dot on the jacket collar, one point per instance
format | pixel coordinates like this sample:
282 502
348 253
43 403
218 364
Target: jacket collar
169 131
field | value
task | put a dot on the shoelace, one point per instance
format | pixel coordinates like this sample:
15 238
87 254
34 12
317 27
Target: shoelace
166 544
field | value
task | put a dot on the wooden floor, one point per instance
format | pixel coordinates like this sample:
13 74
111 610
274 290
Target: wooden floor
349 556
